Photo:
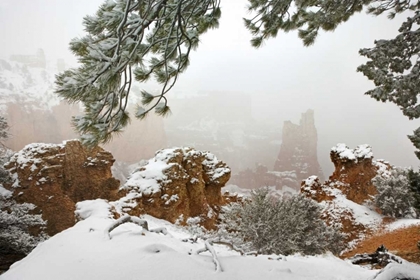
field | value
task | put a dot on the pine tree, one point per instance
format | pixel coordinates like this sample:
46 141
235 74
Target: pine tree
394 197
131 40
392 65
414 182
15 223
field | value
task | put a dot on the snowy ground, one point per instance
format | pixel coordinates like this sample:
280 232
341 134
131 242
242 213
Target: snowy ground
402 223
85 252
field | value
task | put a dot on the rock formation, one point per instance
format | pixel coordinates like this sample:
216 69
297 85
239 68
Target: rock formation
285 181
346 198
175 185
298 150
354 171
55 177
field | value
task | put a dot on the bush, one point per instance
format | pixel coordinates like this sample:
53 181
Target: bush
279 226
394 198
4 127
5 155
16 219
414 182
15 222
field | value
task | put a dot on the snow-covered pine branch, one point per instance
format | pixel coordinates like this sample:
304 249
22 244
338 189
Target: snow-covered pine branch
131 40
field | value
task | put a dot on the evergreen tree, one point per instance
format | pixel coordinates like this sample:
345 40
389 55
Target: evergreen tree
414 182
394 197
4 127
15 224
126 38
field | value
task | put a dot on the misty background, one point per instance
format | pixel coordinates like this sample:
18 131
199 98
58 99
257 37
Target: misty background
279 81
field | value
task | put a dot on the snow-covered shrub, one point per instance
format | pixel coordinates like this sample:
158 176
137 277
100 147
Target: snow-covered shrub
394 197
5 155
414 181
279 226
4 127
15 222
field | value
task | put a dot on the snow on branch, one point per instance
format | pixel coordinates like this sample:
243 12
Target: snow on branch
162 230
126 219
209 247
230 245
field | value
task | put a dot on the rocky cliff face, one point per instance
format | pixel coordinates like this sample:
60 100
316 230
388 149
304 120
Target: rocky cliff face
50 179
354 171
346 198
298 150
55 177
175 185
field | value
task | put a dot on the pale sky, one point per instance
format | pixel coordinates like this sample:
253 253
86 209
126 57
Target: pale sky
284 77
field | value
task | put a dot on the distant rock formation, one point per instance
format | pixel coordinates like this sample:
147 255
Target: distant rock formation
346 198
230 131
38 60
55 177
285 181
298 152
175 185
36 114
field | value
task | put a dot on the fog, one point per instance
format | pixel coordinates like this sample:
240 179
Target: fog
282 78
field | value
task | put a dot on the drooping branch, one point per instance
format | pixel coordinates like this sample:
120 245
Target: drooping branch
209 247
153 38
309 17
125 219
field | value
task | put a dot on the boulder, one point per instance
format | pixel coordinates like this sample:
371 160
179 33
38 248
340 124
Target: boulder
354 171
54 177
175 185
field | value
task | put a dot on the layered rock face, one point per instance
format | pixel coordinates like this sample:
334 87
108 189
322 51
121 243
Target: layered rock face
55 177
346 198
354 171
298 152
175 185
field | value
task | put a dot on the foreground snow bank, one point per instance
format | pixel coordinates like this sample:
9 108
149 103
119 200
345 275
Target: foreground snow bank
84 252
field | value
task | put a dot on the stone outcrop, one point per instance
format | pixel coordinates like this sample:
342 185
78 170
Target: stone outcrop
298 150
175 185
346 198
55 177
354 171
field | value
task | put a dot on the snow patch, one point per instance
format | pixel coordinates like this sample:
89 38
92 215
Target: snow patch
361 152
98 208
5 193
